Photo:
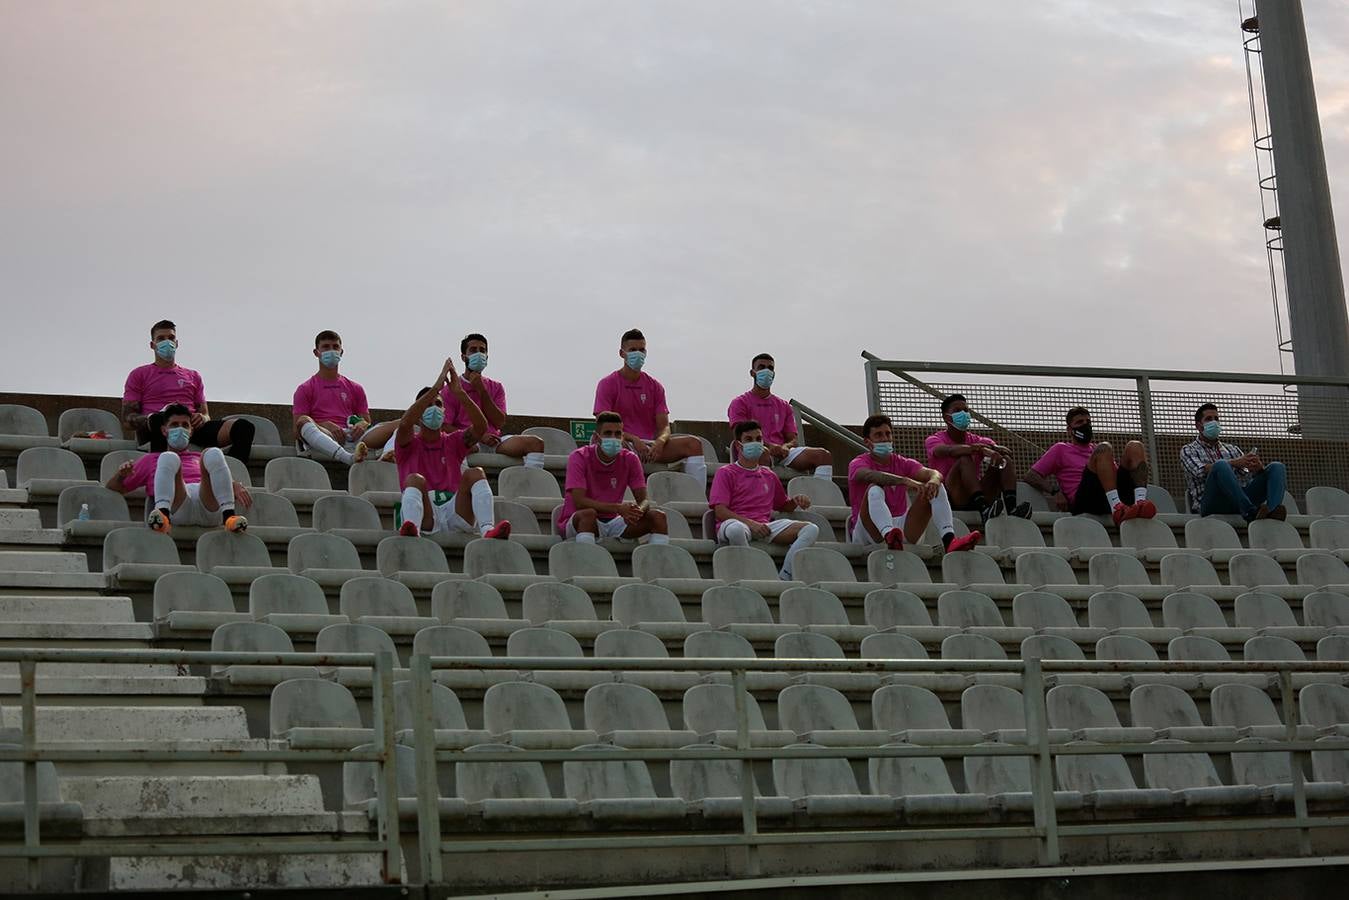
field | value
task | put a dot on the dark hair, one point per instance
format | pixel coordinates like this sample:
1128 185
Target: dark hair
607 417
326 336
1074 413
422 392
161 325
632 334
747 425
951 401
463 345
767 356
874 422
175 409
1203 408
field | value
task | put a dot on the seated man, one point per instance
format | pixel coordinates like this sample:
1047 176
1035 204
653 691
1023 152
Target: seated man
989 490
598 474
878 491
1219 478
330 409
183 486
154 386
1089 480
431 472
640 400
760 404
490 397
744 495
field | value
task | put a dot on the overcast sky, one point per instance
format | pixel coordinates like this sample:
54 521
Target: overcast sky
1059 180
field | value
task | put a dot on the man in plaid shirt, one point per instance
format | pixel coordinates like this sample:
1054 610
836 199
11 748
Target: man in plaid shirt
1219 478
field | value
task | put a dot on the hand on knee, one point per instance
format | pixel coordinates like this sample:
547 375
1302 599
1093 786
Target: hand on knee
735 533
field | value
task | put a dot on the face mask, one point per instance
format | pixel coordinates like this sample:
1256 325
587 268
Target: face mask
1083 434
764 378
611 446
1213 429
433 418
883 448
636 359
166 350
330 358
752 450
477 362
960 420
177 438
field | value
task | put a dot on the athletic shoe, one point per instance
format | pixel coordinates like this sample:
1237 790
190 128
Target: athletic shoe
500 531
1022 511
360 453
1145 509
236 524
968 542
408 529
991 511
159 521
1122 512
1279 512
894 539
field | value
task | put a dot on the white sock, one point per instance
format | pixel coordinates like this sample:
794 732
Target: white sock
412 506
222 483
804 538
321 443
825 472
697 467
534 460
483 515
879 509
166 479
1112 498
1140 494
584 537
658 539
735 532
942 516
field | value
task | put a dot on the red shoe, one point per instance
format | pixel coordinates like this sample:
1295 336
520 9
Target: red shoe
968 542
894 539
500 531
1122 512
409 529
1146 509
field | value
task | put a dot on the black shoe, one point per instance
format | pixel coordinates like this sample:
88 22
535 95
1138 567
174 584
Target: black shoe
1022 511
993 510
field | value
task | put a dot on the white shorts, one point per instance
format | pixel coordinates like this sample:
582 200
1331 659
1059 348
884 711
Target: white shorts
193 511
493 448
444 518
860 535
792 454
608 528
348 444
775 527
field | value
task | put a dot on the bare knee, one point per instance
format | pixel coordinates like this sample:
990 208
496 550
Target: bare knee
585 519
659 524
417 482
532 443
472 476
818 456
1103 454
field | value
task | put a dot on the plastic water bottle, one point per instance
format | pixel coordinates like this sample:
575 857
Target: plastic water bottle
84 512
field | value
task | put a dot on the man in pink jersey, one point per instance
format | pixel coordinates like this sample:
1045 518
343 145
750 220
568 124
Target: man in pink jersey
760 404
430 467
330 410
152 387
490 397
1088 479
878 485
598 475
640 400
184 487
744 496
960 455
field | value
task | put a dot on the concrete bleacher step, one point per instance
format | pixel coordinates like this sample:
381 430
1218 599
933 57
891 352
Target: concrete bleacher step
55 562
17 519
136 724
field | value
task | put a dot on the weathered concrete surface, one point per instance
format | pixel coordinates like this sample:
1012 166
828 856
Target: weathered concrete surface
133 723
43 561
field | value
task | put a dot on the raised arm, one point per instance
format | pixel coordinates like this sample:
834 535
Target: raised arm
413 417
477 421
117 481
495 416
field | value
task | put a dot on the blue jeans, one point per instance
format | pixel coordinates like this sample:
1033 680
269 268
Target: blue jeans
1224 495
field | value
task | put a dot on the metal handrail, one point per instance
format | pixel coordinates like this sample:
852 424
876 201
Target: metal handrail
1100 372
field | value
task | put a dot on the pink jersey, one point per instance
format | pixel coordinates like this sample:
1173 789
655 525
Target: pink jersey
152 387
603 482
457 415
896 495
944 464
143 472
440 461
330 400
1065 462
638 402
752 493
771 412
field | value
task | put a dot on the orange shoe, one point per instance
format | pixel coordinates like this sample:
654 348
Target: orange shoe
159 521
968 542
894 539
236 524
500 531
408 529
1146 509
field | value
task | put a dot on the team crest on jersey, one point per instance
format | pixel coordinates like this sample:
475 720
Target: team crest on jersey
343 395
184 382
613 482
642 397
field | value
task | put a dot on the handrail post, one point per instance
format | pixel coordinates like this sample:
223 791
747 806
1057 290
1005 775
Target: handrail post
1146 422
383 714
873 387
428 785
32 834
1042 773
749 822
1288 697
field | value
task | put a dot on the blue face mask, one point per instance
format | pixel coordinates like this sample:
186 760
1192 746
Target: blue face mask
177 438
433 418
166 350
883 448
636 359
960 420
764 378
611 446
1212 430
477 362
752 450
330 358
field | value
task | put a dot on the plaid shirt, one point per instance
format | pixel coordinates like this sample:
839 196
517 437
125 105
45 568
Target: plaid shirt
1196 457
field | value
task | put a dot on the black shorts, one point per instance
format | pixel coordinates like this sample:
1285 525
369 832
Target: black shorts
1090 497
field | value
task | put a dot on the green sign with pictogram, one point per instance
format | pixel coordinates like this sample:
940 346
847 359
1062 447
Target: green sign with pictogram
582 430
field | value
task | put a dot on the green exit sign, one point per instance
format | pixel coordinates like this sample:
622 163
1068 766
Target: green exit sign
582 430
